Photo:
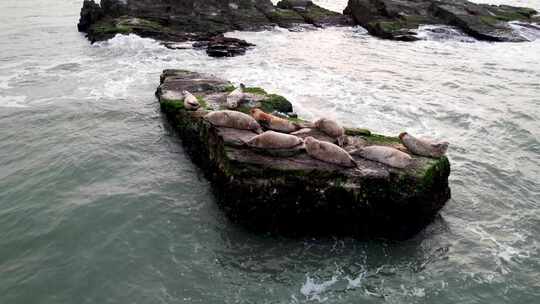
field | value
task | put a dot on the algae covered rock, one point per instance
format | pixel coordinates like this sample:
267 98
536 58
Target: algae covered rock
295 194
202 21
399 19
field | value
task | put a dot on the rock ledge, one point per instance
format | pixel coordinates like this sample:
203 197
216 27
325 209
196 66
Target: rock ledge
399 19
298 195
204 21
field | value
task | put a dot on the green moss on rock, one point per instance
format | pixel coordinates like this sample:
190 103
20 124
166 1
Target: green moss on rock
285 17
377 139
315 14
294 194
229 88
107 28
274 102
255 90
172 106
432 174
357 131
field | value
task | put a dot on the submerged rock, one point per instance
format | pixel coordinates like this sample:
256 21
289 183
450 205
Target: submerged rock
398 19
221 46
198 20
288 192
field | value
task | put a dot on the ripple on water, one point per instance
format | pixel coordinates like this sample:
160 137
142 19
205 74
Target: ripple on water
95 188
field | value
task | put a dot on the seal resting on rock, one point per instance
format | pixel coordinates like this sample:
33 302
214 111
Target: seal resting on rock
274 140
273 122
331 128
190 101
235 97
423 146
385 155
233 119
328 152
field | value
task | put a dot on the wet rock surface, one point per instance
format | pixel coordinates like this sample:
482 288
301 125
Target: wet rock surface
398 19
293 193
202 21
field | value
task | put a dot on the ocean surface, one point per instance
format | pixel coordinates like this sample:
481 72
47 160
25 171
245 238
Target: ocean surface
100 204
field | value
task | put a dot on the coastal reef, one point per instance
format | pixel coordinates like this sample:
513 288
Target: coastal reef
203 21
293 193
399 19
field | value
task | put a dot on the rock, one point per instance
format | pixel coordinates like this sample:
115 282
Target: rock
221 46
204 21
293 193
312 13
398 19
90 13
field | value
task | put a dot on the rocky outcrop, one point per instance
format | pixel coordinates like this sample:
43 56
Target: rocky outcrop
90 14
295 194
204 21
220 46
398 19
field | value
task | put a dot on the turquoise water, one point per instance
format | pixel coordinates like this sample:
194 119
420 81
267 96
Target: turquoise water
100 204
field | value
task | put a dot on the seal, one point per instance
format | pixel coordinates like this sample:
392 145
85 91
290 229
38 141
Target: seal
233 119
190 101
384 155
424 146
328 152
275 123
331 128
274 140
235 97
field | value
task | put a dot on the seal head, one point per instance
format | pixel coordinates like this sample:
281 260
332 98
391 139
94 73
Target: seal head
331 128
424 146
190 101
235 97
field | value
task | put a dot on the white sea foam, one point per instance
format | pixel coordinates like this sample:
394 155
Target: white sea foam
500 249
313 290
530 32
131 42
356 282
442 33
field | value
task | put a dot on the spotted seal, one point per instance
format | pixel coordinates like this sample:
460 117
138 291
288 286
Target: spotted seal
328 152
424 146
274 140
275 123
331 128
235 97
190 101
385 155
233 119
